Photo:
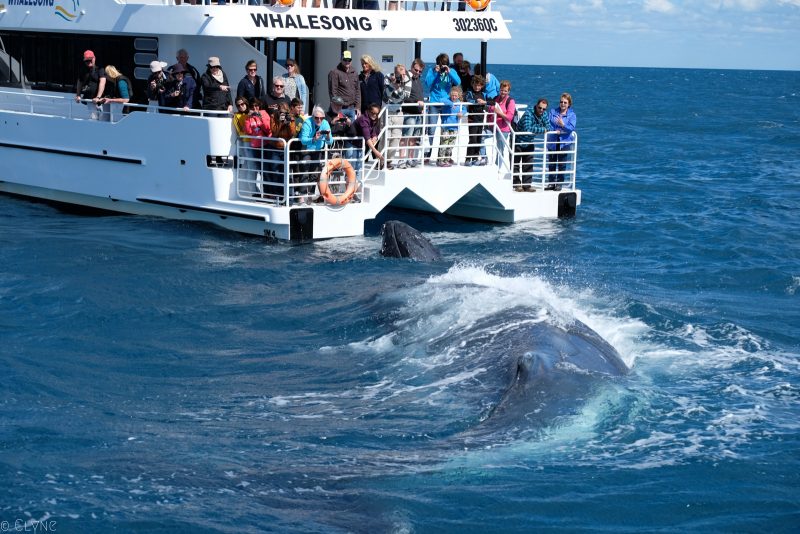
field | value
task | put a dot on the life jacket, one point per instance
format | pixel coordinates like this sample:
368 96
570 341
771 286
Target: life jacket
112 87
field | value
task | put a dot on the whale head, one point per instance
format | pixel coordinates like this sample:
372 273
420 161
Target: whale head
400 240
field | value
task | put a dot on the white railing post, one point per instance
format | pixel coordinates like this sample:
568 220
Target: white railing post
287 172
574 160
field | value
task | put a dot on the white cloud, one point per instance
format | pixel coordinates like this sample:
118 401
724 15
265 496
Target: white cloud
747 5
588 6
659 6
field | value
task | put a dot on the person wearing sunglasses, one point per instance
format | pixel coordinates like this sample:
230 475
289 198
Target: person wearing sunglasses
314 136
563 122
251 85
535 121
277 97
295 83
412 112
343 82
92 83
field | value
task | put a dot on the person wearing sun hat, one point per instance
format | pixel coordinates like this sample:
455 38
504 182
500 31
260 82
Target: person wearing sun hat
180 93
157 84
343 82
216 89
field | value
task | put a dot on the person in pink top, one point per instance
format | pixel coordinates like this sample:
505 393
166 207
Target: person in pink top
505 109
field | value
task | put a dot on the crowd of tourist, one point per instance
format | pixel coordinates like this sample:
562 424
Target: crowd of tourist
277 110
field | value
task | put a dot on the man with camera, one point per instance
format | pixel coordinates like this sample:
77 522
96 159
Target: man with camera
439 80
157 84
343 126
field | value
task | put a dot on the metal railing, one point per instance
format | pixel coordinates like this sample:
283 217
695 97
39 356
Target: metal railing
286 173
383 5
546 163
291 172
86 109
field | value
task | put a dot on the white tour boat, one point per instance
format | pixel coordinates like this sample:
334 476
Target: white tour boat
191 165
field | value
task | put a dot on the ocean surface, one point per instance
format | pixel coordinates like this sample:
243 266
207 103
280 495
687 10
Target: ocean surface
158 376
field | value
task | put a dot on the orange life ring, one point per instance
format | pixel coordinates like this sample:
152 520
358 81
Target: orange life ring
324 190
286 2
478 5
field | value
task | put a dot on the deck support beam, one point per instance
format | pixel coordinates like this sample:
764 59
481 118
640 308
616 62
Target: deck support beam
484 46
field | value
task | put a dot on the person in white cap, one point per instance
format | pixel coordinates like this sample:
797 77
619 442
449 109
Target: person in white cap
157 84
216 89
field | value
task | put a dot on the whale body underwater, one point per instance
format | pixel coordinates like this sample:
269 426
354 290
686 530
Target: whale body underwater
549 369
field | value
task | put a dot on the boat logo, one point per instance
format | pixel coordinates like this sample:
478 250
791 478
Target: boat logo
64 13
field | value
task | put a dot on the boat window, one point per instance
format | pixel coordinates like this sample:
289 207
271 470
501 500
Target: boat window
142 43
52 62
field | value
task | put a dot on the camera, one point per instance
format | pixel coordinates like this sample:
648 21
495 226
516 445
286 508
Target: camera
284 117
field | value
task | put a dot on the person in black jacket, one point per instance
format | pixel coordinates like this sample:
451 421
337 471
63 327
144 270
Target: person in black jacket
342 126
370 82
252 85
216 89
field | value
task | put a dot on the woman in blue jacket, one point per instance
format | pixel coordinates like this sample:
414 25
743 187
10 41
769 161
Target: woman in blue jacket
439 80
314 135
562 122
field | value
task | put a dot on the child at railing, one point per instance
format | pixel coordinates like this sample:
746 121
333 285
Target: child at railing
451 115
476 119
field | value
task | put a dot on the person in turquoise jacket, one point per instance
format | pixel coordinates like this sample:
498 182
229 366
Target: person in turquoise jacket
315 134
438 81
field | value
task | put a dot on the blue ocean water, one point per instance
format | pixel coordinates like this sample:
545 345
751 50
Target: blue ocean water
167 377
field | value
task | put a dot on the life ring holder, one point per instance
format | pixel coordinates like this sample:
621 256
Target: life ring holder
478 5
350 174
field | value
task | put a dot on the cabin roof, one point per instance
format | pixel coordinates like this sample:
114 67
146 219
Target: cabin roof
102 16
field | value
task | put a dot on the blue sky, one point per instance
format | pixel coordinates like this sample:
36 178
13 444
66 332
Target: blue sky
732 34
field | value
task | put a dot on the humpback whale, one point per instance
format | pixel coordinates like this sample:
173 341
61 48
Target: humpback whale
536 373
559 369
400 240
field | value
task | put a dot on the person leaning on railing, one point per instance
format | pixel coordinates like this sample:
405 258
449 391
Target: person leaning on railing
535 121
370 127
118 87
